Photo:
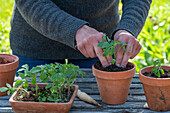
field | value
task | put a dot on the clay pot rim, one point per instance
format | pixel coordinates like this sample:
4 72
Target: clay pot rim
146 77
11 100
153 81
16 59
112 75
116 72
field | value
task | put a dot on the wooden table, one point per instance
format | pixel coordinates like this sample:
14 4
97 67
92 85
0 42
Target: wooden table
136 101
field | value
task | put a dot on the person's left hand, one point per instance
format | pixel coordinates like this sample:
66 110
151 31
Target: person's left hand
122 57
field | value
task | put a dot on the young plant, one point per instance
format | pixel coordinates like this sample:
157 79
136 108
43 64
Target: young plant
157 70
60 78
109 45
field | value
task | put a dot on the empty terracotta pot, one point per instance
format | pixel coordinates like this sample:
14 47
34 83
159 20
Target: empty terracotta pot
157 90
42 107
114 86
8 66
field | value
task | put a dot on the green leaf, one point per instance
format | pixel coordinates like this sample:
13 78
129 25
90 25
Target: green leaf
105 45
22 69
74 74
25 85
45 80
158 74
18 83
69 71
50 99
33 80
113 61
54 76
25 66
106 52
35 70
124 49
44 99
53 89
100 44
162 71
49 86
8 85
8 92
104 37
112 51
3 89
22 75
43 76
108 39
153 69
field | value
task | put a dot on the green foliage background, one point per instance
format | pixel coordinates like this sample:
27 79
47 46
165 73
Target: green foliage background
154 38
6 7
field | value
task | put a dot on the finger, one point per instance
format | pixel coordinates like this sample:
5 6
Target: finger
103 60
127 53
135 45
119 56
90 49
99 51
136 51
120 51
82 49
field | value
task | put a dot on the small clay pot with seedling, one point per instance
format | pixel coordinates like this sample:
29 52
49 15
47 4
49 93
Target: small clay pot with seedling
113 82
156 83
8 66
55 93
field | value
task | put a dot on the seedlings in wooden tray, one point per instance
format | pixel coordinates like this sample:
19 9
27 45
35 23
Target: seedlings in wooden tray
60 79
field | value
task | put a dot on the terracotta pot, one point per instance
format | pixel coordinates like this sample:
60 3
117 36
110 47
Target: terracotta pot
42 107
114 86
8 70
157 90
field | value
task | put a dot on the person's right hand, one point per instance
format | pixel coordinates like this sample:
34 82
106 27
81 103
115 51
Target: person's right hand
87 39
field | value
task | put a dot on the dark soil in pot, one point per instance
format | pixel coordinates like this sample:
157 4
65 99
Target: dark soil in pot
112 68
151 74
4 61
33 98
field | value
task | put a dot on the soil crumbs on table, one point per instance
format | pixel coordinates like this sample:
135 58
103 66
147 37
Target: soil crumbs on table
165 75
31 97
112 68
3 61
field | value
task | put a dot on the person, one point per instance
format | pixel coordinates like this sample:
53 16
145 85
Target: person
46 31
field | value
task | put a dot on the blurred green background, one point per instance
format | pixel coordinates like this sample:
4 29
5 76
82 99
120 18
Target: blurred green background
154 38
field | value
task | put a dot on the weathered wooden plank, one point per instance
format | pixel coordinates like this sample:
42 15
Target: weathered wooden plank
4 97
96 91
9 110
130 98
6 110
114 111
126 105
4 103
94 85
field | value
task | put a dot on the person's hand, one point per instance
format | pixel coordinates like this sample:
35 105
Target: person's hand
122 57
87 39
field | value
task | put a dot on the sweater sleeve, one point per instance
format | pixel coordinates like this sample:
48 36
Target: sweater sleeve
49 20
133 16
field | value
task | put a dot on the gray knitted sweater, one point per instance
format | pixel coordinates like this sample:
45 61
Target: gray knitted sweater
45 29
